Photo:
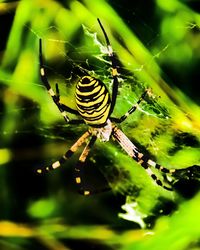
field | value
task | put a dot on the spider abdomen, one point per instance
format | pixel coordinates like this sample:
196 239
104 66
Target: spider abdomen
92 100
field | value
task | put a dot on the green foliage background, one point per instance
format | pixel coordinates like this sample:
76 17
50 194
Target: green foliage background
158 46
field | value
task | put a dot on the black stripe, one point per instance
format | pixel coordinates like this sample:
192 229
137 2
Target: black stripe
79 168
96 107
86 80
50 168
44 80
92 97
164 170
136 156
145 158
159 182
96 104
144 165
62 160
153 176
96 84
132 109
94 118
84 89
69 153
84 109
55 99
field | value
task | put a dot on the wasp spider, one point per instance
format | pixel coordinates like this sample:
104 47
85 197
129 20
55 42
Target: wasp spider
95 105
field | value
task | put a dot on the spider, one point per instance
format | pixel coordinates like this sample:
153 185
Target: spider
95 105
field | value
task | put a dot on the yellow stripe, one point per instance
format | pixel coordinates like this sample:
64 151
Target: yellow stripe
95 114
105 101
56 164
114 72
97 110
42 71
51 92
92 81
110 50
78 180
97 96
100 99
99 121
79 142
86 192
152 163
88 92
64 113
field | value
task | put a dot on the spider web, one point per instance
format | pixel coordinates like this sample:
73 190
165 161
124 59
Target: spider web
130 87
91 57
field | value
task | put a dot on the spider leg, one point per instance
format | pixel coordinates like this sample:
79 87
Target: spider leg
66 156
79 175
63 106
55 96
144 161
114 67
131 110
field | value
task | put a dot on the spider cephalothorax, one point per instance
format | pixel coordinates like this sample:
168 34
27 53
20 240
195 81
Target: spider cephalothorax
102 133
95 106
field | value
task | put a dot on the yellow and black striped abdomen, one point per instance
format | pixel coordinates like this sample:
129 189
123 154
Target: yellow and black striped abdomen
92 100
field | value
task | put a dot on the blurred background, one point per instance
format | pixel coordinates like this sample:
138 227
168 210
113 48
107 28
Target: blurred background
158 46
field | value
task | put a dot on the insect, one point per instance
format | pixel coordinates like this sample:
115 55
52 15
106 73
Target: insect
95 105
